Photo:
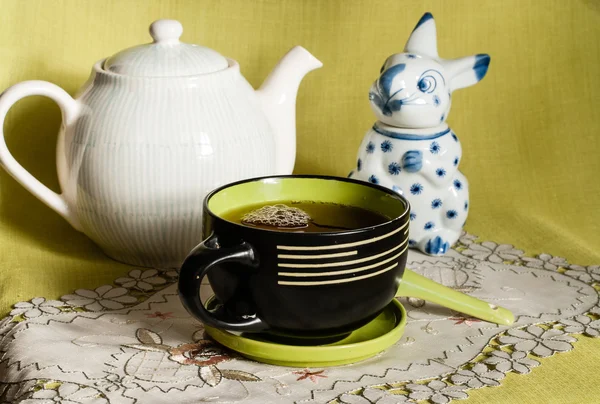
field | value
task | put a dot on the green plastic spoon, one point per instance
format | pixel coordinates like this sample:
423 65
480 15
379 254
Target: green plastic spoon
420 287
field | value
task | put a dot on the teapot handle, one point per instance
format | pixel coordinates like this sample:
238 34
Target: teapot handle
70 109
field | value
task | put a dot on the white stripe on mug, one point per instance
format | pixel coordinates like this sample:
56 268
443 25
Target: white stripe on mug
335 281
319 256
343 263
342 272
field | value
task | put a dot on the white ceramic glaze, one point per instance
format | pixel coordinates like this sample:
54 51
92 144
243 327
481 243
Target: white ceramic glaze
141 145
410 148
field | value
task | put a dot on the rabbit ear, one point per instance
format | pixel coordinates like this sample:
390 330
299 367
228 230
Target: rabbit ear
465 72
423 40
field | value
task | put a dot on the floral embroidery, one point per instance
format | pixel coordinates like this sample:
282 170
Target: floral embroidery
36 307
66 393
172 274
539 341
201 353
493 252
464 320
307 374
467 239
436 391
158 314
516 361
6 325
545 261
580 325
110 383
465 263
152 363
104 297
143 281
372 396
478 376
204 354
588 274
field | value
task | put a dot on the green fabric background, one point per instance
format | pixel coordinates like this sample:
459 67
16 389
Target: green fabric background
529 130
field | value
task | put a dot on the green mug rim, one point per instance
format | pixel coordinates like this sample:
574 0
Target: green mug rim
383 189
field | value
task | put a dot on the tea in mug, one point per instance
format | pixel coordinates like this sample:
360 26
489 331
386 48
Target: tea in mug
305 216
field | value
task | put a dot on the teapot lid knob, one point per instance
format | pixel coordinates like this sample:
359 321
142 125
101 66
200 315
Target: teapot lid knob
166 31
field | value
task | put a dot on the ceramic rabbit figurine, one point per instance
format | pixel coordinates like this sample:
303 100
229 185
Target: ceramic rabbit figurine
410 148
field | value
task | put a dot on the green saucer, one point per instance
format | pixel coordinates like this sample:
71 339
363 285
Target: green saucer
378 335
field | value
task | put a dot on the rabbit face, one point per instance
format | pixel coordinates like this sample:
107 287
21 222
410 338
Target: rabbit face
411 92
414 87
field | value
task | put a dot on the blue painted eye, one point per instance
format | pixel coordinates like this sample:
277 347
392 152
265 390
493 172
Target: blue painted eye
427 84
424 85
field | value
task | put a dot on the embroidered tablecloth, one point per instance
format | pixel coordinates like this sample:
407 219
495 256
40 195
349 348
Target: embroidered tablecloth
133 342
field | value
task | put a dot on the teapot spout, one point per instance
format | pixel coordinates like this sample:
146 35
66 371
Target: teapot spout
278 97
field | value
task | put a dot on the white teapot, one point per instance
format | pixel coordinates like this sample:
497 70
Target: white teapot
154 129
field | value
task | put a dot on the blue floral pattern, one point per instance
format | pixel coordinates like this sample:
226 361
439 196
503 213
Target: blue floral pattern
359 164
386 146
416 189
394 168
424 170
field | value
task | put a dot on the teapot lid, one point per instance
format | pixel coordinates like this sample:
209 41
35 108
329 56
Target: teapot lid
166 56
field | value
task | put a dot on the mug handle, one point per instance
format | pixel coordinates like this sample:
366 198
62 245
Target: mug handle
70 110
196 266
415 285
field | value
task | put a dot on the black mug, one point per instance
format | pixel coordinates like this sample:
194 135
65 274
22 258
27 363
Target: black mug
297 283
